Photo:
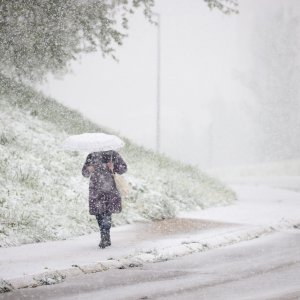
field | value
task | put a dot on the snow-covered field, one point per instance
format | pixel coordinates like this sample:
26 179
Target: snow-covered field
283 174
270 169
42 193
276 169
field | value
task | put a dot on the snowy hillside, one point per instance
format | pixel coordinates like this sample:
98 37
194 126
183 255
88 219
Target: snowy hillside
43 195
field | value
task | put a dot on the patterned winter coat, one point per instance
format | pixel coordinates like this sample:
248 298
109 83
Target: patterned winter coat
103 194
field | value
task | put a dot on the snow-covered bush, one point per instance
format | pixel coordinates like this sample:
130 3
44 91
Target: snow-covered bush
43 195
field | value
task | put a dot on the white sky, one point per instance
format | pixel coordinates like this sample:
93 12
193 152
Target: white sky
200 51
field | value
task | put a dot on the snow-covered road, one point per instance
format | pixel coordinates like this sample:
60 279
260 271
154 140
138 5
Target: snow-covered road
257 205
265 268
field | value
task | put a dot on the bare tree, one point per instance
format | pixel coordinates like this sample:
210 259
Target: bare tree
41 36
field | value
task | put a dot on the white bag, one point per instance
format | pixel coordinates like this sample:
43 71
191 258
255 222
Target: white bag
122 185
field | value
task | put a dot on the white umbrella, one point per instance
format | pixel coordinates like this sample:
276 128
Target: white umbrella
92 142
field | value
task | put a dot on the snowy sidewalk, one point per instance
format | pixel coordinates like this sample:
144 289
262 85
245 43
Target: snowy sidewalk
259 210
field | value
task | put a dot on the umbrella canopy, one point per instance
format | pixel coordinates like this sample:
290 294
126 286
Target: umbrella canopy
92 142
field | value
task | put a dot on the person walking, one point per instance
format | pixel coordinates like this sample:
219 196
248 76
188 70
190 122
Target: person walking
104 197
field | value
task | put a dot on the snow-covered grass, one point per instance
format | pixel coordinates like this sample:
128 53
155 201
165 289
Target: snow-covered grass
43 195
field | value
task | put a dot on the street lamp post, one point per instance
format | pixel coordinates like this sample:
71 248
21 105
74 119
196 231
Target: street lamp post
158 104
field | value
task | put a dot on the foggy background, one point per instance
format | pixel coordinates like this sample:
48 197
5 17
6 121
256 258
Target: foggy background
229 84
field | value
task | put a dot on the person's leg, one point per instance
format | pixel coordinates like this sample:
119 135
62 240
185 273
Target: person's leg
106 225
104 222
99 219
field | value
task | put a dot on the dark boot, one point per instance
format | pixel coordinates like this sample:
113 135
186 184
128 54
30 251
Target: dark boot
105 239
108 241
102 243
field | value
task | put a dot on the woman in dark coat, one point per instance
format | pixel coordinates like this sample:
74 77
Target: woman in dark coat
104 198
